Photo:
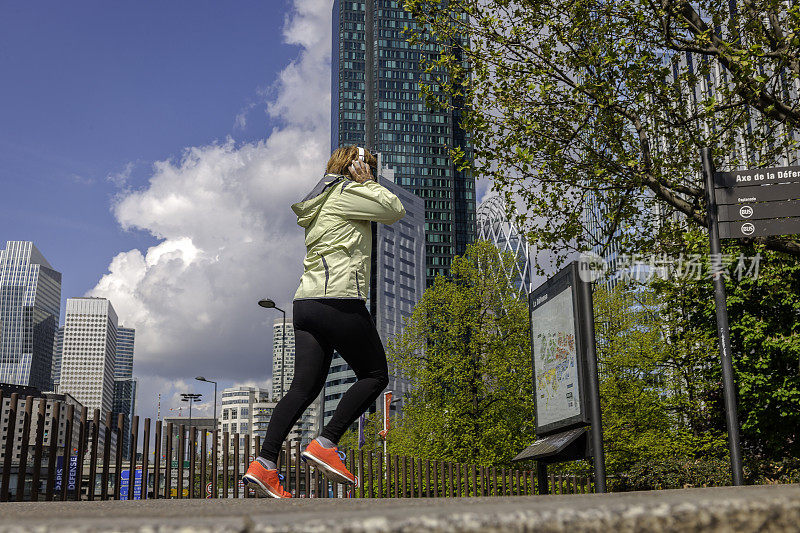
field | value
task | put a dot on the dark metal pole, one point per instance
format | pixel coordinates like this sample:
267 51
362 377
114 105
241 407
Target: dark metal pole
594 389
369 74
723 331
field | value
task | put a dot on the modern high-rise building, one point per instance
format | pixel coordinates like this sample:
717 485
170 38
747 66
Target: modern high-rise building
412 139
399 268
495 226
57 351
282 371
89 353
30 301
124 383
308 427
123 367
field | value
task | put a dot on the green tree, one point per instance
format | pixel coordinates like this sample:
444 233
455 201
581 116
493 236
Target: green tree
572 100
466 350
652 395
764 317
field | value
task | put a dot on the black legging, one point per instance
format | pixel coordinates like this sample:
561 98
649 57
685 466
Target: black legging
320 327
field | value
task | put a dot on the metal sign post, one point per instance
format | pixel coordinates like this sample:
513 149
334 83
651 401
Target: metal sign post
593 387
723 331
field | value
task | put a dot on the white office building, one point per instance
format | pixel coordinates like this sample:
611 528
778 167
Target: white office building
89 351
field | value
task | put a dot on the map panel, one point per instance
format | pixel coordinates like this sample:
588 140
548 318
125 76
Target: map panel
555 360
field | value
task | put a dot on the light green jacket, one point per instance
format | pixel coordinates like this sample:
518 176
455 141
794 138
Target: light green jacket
336 215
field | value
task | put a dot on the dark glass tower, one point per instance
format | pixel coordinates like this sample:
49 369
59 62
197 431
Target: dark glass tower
414 141
124 384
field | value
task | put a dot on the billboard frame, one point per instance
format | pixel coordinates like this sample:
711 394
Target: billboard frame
566 279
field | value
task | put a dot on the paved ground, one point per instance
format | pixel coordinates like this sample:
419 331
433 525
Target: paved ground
764 508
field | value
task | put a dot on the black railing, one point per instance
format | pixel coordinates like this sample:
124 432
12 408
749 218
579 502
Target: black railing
186 464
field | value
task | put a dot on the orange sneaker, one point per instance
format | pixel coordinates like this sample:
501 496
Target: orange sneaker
330 461
265 482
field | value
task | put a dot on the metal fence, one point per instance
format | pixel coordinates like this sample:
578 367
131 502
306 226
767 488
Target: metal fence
194 463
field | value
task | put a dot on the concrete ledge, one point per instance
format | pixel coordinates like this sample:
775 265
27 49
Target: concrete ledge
764 509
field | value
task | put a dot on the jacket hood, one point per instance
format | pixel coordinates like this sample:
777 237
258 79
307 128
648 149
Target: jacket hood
309 207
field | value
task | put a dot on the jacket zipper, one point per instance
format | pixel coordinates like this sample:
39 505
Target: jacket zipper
327 274
358 285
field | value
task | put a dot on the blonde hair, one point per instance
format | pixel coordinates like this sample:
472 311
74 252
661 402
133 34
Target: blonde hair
343 157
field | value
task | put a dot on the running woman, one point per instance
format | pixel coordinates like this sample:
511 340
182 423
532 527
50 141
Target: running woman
329 313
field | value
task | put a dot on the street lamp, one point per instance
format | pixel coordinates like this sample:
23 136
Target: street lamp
269 304
191 398
201 378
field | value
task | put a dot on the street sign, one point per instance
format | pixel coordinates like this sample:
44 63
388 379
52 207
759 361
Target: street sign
758 193
759 228
757 202
756 176
125 483
759 211
72 472
208 489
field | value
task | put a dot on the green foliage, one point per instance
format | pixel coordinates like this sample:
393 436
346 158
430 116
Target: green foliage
654 419
764 317
572 101
466 350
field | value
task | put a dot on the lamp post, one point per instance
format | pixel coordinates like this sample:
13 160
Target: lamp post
191 398
269 304
201 378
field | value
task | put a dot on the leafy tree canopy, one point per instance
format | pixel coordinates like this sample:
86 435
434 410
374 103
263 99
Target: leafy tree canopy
576 101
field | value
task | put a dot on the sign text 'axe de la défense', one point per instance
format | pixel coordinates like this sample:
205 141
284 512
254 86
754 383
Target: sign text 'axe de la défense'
758 202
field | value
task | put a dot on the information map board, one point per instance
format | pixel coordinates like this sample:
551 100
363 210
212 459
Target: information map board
559 359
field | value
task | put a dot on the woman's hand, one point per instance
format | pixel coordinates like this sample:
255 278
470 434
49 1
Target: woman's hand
360 171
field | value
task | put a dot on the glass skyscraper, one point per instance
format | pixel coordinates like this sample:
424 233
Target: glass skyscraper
124 384
413 141
495 227
30 297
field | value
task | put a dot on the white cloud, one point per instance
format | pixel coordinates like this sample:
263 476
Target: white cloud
227 236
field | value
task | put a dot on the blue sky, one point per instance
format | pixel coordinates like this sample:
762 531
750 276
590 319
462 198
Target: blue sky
147 149
93 88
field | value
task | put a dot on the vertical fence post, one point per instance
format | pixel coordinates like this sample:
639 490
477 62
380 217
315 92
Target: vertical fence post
67 452
181 456
395 468
235 438
82 436
214 469
297 463
157 460
369 474
168 461
55 423
11 437
133 447
203 461
107 457
380 474
363 479
224 464
37 450
118 455
192 460
145 458
22 472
